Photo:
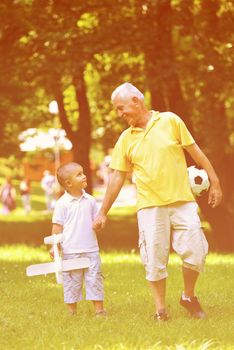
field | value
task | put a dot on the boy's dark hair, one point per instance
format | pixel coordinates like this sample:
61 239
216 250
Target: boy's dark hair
63 172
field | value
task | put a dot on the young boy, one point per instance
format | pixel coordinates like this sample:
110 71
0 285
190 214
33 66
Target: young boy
73 216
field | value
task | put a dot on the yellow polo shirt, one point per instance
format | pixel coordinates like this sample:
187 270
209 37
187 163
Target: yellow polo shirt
156 157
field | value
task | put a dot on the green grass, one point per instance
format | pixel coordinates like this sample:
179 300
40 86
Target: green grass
33 315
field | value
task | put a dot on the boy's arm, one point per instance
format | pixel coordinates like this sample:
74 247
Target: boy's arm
56 228
215 192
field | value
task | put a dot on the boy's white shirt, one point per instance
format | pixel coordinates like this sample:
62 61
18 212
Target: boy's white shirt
76 215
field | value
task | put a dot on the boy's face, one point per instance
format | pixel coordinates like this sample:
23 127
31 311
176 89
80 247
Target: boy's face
77 179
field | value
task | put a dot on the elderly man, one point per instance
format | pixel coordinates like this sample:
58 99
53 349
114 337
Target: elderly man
153 148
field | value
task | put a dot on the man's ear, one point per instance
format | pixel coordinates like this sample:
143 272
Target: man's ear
135 99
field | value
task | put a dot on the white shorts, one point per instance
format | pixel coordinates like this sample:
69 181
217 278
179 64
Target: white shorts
92 276
179 223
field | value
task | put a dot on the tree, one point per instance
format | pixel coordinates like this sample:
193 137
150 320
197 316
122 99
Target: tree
211 28
179 52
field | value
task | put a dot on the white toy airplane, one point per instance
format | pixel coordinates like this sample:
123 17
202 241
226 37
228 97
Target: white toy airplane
59 265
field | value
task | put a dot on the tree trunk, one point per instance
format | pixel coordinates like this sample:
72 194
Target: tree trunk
154 83
82 141
221 218
62 113
165 53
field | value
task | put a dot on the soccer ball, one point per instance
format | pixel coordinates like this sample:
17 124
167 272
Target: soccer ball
198 180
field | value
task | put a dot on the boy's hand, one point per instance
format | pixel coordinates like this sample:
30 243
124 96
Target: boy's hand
51 251
99 222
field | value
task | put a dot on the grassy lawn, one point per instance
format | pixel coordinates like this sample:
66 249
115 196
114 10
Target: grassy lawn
33 315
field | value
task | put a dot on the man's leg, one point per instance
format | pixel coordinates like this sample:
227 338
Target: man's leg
190 279
188 299
158 289
154 244
190 243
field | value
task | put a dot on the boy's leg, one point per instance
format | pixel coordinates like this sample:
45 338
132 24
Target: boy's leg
99 307
94 283
72 308
72 285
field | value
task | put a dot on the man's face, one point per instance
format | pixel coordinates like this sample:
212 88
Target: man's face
77 179
126 109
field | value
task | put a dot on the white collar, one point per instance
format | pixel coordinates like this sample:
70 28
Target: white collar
71 198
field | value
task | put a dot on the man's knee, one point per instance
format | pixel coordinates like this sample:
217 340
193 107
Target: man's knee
154 273
192 248
195 260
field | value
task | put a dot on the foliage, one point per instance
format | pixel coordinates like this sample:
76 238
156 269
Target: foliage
38 318
179 52
10 166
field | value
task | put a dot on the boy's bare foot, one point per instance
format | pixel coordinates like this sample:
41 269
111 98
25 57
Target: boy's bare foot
72 308
73 313
101 313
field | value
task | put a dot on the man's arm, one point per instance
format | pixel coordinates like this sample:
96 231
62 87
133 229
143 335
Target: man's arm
215 192
116 181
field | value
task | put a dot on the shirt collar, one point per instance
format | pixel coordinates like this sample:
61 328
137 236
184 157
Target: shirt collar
155 116
70 198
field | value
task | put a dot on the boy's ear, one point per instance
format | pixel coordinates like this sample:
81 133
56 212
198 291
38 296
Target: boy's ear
67 183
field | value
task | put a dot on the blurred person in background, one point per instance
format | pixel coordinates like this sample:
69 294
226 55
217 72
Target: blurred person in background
7 195
25 190
48 184
105 170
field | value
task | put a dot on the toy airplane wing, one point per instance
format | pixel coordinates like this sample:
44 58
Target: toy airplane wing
75 264
41 269
52 267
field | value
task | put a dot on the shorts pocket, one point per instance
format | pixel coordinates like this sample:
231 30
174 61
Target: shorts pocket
142 247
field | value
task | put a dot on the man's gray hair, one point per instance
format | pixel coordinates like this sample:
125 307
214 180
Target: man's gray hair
126 90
